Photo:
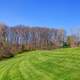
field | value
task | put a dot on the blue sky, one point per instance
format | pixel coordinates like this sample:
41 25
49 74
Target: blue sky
50 13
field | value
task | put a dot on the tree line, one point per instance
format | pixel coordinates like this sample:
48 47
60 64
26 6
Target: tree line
20 38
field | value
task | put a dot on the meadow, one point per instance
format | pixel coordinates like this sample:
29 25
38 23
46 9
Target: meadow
58 64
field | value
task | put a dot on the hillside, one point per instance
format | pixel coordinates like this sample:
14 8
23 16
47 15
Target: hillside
60 64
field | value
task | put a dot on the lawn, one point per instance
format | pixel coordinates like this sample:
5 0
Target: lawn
59 64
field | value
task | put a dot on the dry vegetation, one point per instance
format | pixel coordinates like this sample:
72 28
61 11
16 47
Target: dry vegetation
21 38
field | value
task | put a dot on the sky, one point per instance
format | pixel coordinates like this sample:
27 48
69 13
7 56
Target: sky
46 13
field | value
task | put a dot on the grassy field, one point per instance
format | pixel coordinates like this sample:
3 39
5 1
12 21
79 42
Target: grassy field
60 64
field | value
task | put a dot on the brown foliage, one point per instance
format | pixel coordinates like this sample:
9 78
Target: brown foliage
21 38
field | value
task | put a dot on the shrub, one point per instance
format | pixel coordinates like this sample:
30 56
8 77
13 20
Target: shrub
6 53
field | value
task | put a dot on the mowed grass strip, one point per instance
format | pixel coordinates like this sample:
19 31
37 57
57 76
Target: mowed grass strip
59 64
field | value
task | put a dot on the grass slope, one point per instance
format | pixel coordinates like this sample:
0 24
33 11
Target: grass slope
60 64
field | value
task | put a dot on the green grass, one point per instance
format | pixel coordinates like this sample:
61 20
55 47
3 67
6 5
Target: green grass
60 64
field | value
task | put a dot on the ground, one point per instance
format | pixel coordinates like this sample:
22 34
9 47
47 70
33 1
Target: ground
59 64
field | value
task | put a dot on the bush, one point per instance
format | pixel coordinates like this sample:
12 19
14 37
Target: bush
65 45
5 51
